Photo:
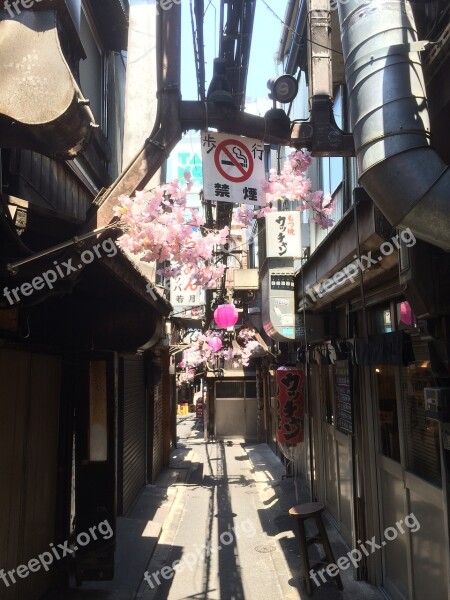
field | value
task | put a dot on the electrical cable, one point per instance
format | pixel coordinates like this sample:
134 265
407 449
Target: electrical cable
296 32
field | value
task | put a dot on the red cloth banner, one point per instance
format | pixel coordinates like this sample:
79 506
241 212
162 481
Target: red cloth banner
291 410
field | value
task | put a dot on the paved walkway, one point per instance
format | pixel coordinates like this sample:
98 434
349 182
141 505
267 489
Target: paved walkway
230 531
221 510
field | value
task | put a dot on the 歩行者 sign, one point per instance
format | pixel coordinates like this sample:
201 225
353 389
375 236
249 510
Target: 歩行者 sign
233 168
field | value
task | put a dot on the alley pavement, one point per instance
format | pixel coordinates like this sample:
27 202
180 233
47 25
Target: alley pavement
216 527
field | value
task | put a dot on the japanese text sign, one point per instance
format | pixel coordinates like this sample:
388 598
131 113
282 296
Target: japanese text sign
233 168
283 234
187 298
291 414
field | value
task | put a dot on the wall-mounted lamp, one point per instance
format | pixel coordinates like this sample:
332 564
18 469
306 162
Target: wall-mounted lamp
283 89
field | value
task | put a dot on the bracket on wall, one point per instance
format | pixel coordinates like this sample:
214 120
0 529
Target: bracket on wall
320 134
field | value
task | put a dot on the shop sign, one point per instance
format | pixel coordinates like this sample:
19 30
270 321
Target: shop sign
290 422
284 234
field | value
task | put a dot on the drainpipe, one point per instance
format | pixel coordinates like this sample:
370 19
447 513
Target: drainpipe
404 176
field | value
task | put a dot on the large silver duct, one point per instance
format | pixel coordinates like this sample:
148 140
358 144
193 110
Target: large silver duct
405 177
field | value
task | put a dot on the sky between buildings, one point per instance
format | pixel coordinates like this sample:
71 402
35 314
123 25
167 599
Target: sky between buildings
265 41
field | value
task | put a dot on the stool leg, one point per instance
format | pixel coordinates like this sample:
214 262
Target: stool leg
304 554
327 548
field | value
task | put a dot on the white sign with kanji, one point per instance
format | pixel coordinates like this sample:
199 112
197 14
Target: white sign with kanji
233 168
284 234
186 298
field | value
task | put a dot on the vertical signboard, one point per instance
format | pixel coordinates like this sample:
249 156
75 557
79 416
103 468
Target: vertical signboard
343 392
283 234
187 298
291 412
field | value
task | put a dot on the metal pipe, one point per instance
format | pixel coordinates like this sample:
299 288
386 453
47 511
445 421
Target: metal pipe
404 176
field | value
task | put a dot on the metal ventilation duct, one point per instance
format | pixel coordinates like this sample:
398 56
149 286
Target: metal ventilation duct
405 177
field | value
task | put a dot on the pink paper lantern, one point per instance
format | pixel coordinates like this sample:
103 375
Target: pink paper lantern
226 315
215 343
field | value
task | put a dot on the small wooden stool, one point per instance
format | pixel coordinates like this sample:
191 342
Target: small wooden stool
313 510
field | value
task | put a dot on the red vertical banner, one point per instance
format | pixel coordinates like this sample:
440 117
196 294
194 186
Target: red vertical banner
291 410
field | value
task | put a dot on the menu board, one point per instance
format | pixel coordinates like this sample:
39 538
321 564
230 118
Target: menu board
343 392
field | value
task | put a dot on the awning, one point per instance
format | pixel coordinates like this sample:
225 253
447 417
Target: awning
332 271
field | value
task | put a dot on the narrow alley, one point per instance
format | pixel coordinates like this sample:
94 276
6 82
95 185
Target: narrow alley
230 530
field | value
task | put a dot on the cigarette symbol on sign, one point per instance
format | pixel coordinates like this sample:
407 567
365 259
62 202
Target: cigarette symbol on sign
233 161
239 155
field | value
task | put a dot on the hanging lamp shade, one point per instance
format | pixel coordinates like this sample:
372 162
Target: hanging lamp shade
215 343
226 315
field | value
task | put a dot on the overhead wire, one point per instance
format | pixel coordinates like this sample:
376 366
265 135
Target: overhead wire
296 32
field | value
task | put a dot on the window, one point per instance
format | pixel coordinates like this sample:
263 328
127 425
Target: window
382 322
421 434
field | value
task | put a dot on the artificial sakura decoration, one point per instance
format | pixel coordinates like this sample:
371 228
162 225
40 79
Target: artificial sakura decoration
291 185
202 353
158 226
247 339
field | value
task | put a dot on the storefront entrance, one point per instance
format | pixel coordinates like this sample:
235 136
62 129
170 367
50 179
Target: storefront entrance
408 459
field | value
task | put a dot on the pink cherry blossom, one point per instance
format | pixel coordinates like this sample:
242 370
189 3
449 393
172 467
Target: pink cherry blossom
158 225
291 185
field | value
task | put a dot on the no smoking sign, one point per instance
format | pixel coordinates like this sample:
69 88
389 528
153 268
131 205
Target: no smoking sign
233 168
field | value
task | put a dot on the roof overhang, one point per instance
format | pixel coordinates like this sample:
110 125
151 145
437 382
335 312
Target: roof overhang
337 252
41 106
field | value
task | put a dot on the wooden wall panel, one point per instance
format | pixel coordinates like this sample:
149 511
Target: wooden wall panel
49 183
14 378
29 404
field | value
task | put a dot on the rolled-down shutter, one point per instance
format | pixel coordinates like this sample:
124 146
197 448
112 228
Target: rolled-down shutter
134 430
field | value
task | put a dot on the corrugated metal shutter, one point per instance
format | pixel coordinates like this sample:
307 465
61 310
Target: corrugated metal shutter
134 430
157 432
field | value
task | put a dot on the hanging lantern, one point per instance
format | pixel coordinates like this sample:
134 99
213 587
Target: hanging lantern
226 315
215 343
290 422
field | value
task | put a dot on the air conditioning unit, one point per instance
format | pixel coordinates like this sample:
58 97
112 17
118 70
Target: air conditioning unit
246 279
